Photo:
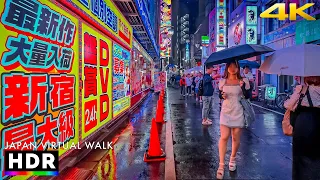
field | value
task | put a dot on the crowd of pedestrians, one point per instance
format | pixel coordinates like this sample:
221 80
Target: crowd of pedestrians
303 118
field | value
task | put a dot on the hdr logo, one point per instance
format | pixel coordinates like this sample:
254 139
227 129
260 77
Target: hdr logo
37 163
293 12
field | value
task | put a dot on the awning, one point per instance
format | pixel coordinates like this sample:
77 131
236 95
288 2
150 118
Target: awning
136 13
315 42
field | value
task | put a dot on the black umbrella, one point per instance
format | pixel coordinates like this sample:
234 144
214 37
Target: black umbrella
237 53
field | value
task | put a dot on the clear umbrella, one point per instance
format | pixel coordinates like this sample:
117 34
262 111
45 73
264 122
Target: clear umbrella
301 60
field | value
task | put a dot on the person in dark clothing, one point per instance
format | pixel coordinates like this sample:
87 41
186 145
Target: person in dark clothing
207 96
306 130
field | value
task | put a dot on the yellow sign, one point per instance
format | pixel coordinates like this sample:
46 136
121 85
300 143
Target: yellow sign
293 12
97 80
106 14
39 76
120 105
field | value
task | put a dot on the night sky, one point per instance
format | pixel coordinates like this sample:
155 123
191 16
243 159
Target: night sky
191 7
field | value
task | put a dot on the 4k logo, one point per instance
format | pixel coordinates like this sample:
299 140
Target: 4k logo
293 12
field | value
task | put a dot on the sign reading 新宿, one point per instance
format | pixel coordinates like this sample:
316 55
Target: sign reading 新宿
307 31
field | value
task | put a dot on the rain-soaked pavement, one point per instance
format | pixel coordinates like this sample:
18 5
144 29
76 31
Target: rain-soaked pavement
125 160
265 153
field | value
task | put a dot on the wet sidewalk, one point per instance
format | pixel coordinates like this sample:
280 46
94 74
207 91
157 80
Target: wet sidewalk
125 160
265 153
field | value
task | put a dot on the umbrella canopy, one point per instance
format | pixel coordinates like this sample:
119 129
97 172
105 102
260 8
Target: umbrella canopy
251 64
237 53
301 60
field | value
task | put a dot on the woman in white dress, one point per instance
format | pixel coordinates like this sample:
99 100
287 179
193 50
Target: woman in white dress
232 88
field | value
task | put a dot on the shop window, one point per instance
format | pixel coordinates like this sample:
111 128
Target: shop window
272 25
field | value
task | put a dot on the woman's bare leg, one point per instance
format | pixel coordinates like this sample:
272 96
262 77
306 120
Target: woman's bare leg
236 133
225 134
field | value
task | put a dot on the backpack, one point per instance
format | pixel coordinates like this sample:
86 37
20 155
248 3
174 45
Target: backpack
200 92
193 82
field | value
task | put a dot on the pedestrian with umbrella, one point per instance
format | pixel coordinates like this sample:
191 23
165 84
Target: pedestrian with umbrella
302 118
236 111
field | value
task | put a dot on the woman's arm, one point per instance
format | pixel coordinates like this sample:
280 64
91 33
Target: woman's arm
220 94
246 92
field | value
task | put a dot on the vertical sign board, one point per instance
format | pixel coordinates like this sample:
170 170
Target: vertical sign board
236 34
97 80
221 16
187 52
121 79
39 76
160 81
251 25
212 32
165 27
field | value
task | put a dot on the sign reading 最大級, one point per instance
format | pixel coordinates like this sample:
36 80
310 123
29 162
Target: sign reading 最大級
96 78
105 13
39 68
121 80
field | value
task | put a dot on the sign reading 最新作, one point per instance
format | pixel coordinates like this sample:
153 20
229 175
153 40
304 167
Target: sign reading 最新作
39 68
96 78
105 13
121 79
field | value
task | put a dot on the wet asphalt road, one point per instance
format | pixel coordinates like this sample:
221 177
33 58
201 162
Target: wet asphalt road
265 153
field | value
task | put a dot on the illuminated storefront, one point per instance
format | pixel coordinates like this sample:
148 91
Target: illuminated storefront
141 73
65 71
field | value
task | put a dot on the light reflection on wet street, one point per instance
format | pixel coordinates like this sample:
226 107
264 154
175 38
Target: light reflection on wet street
264 151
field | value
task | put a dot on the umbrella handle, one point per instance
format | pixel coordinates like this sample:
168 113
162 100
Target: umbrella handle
282 68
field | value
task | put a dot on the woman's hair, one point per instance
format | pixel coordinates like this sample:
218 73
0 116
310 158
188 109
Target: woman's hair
226 73
312 80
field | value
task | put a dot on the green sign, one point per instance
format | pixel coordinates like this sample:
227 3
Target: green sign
251 35
270 93
307 31
205 39
252 15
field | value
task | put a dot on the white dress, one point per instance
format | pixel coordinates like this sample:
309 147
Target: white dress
232 111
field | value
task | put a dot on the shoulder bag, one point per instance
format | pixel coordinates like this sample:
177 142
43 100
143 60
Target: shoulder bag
248 111
291 115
